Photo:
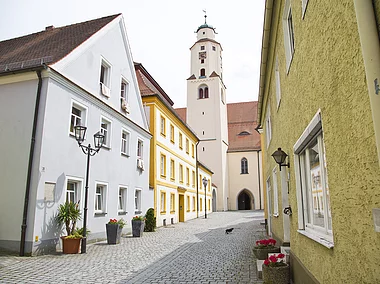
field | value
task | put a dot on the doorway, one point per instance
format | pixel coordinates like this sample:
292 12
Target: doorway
181 208
244 200
214 200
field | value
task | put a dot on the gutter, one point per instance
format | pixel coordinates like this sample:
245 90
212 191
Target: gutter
369 40
196 175
30 165
264 53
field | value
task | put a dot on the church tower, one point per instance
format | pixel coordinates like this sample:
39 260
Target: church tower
207 109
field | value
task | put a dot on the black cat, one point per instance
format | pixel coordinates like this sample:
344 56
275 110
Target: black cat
229 230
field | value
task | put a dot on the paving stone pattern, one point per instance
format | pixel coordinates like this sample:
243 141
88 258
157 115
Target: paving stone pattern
197 251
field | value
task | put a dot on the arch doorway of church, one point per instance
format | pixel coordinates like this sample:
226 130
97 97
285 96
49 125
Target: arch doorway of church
214 200
245 200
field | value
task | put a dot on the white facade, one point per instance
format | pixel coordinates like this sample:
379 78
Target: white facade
58 172
206 108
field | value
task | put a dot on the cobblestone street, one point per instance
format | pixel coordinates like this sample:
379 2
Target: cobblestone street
197 251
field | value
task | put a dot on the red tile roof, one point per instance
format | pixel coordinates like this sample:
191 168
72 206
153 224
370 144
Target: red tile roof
48 46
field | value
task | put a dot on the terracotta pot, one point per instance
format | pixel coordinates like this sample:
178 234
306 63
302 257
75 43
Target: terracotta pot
262 253
137 228
276 275
113 234
70 245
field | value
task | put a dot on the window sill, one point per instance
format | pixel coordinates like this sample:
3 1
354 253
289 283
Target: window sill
172 179
138 211
172 141
187 210
163 176
172 212
125 154
162 134
318 239
244 173
163 212
99 214
106 147
181 148
122 213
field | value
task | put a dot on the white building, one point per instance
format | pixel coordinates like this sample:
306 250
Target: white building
51 81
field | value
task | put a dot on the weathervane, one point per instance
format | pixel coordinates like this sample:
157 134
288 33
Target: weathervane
204 11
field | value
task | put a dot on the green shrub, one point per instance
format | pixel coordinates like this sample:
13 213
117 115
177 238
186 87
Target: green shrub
150 222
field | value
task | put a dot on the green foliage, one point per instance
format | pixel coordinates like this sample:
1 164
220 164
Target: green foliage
68 214
119 222
138 218
75 235
150 223
80 231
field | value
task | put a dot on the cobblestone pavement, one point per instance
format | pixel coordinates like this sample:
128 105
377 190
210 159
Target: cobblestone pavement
197 251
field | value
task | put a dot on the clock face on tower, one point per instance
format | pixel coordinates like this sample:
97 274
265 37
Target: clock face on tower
202 55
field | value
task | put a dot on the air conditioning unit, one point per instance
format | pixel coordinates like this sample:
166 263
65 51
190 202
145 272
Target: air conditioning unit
105 90
125 105
140 164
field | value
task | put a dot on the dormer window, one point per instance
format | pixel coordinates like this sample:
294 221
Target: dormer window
244 133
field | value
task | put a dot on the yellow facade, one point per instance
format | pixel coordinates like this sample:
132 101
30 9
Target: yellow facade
327 76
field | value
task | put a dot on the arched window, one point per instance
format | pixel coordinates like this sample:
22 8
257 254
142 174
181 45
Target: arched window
244 166
203 92
203 72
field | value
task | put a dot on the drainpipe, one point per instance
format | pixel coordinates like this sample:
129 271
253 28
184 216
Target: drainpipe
196 175
369 40
258 174
29 176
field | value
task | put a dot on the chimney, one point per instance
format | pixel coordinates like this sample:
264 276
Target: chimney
48 28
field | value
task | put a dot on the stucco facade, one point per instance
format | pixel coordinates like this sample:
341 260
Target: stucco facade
323 88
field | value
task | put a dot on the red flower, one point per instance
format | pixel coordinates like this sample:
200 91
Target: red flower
281 255
273 258
266 262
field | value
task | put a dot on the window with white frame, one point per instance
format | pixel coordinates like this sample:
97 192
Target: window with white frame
163 165
244 166
78 116
278 86
163 126
275 193
105 78
163 202
172 202
187 176
138 201
172 169
288 27
122 202
304 5
180 173
124 89
125 136
268 126
194 203
73 190
313 197
140 146
100 198
187 203
105 129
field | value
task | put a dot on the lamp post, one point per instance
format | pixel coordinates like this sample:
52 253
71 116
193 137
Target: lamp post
205 182
80 134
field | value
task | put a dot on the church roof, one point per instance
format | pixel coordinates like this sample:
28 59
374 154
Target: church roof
242 121
205 26
48 46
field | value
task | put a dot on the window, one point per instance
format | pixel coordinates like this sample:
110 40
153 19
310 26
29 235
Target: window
203 73
209 184
172 169
304 5
203 92
78 116
244 166
124 91
192 150
275 193
278 87
163 126
180 141
100 198
244 133
209 204
105 78
193 179
180 173
188 203
187 146
138 201
171 133
268 126
73 188
125 142
172 202
163 165
122 202
187 176
200 204
202 61
287 22
194 203
140 148
163 202
313 197
213 48
202 47
105 129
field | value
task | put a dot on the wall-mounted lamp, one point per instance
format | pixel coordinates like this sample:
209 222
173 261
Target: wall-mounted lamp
280 156
288 210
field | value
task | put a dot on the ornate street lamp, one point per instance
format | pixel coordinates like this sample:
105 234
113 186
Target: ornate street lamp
80 134
205 182
280 156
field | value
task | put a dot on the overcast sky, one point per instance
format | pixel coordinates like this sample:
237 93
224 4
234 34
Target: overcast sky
160 34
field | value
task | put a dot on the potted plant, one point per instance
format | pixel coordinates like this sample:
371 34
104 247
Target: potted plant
69 214
276 270
114 228
150 222
265 246
138 223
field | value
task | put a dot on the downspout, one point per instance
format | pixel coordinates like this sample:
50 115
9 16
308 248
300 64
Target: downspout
258 174
29 176
369 40
196 175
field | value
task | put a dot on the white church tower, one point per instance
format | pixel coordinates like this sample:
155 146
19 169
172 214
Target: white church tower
207 109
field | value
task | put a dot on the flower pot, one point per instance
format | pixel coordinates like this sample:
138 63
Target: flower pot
70 245
113 234
262 253
137 228
276 274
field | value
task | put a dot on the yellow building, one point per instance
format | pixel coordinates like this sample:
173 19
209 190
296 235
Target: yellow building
173 168
319 101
